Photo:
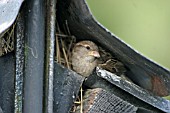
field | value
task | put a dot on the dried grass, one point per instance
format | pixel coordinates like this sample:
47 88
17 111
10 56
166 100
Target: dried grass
64 45
7 41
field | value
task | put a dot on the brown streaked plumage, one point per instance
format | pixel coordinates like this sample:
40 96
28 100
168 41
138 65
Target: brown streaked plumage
84 57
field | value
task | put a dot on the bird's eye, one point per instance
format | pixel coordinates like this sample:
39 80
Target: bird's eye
88 47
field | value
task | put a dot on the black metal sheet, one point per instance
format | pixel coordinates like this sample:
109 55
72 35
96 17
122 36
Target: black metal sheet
7 72
96 80
10 8
49 55
66 87
34 56
135 90
1 110
141 70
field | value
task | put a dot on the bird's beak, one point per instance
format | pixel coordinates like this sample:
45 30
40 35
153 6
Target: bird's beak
94 53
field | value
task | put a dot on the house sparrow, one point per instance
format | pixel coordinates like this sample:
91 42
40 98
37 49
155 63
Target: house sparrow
84 57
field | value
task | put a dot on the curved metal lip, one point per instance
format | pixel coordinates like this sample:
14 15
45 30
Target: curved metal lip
9 10
133 89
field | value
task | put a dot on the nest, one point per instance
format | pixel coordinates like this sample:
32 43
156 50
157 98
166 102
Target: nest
7 41
64 45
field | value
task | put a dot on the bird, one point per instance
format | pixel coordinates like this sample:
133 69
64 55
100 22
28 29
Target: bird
85 56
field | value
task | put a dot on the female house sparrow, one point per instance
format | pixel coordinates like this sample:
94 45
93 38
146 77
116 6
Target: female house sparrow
84 56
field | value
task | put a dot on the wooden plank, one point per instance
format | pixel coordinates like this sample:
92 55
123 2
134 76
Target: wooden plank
99 101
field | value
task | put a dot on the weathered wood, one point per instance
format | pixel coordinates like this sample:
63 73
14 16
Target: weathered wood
100 101
95 81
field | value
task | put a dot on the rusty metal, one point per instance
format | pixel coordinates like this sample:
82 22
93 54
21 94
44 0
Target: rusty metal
135 90
49 65
19 63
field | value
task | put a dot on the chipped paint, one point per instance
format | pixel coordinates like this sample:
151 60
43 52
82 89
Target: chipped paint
107 74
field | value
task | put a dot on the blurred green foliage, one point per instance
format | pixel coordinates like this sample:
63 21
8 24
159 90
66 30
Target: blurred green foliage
167 97
143 24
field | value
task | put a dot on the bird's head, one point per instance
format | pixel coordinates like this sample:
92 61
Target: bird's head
87 50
